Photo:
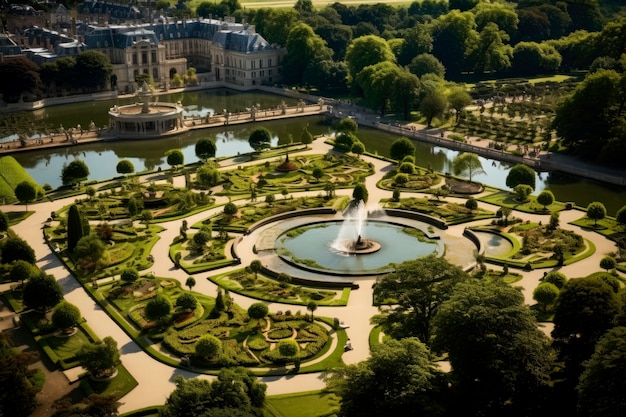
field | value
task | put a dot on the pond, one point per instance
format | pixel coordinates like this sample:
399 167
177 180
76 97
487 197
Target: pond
494 244
45 165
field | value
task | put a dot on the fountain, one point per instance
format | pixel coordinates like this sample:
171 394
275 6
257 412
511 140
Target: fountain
351 239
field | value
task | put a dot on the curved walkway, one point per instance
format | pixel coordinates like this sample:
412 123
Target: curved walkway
156 379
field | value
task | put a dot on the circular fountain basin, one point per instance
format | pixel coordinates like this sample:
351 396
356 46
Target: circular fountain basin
315 247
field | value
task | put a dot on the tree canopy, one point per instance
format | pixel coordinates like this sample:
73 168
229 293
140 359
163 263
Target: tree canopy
42 292
400 148
16 248
74 172
100 358
205 149
500 359
520 174
125 167
260 139
399 378
25 192
416 289
234 389
467 164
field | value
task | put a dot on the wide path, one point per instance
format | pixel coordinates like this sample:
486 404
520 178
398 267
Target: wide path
156 379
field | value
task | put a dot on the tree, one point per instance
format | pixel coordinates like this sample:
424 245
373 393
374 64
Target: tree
230 209
585 310
256 266
417 40
208 346
208 176
433 105
90 251
129 275
500 359
260 139
258 311
42 292
25 192
318 172
424 64
274 24
602 386
19 75
400 148
608 262
467 164
359 194
620 217
545 198
77 227
418 289
65 315
288 348
18 394
187 302
311 306
158 308
358 148
100 358
4 222
205 149
454 36
125 167
596 211
546 294
377 81
16 249
399 378
175 157
458 99
306 137
235 390
491 53
344 141
93 70
74 172
190 282
405 90
347 125
520 174
532 58
21 271
557 278
304 47
365 51
522 191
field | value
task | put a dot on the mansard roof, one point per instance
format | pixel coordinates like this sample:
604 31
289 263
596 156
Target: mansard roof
230 35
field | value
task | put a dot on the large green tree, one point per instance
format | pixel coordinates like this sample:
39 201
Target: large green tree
585 310
405 91
205 148
398 379
275 24
602 384
77 227
467 164
235 390
454 37
25 192
65 315
16 248
458 99
491 53
93 70
433 105
42 292
260 139
18 76
74 172
400 148
304 47
416 289
100 358
500 359
17 396
520 174
365 51
376 81
90 252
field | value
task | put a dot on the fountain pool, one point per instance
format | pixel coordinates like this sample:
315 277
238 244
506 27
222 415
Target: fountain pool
314 247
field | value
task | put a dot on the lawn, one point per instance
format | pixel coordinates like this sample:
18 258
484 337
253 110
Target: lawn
302 404
11 174
507 199
120 385
451 213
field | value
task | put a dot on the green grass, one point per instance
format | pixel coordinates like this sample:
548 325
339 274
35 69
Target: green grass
11 174
119 386
302 404
507 199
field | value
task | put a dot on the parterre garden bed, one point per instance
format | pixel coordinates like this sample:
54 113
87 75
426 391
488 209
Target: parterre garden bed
451 213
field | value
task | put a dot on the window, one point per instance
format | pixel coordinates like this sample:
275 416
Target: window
134 59
155 73
269 62
144 58
260 63
154 57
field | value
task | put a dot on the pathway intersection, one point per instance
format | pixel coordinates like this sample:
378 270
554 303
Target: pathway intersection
156 379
